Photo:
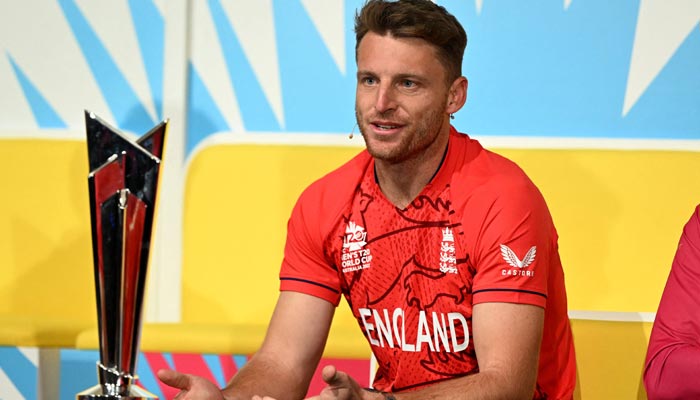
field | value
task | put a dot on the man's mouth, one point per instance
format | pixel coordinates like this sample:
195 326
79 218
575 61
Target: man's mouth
386 127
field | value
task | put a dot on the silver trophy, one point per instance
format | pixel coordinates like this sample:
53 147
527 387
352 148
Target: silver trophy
123 183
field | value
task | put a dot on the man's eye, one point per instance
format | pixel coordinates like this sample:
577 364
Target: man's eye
408 84
369 81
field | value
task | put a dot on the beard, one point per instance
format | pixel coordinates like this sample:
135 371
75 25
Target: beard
415 138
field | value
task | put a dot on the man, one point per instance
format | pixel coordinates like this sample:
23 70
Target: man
445 252
673 356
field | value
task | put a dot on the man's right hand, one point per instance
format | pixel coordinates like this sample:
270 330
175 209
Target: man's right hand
191 387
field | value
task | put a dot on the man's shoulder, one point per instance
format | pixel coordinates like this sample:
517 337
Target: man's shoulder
485 176
485 168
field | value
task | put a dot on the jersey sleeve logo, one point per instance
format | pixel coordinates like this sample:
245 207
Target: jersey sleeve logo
513 260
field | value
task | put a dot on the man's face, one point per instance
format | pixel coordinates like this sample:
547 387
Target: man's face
401 96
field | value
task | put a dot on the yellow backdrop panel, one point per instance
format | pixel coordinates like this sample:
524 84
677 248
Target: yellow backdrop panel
619 215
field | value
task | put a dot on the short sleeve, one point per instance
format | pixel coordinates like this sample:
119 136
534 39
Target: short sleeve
515 245
304 267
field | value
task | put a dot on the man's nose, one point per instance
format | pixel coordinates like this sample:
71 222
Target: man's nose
386 99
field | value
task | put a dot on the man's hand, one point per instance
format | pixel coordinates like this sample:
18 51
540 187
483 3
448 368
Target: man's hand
342 387
191 387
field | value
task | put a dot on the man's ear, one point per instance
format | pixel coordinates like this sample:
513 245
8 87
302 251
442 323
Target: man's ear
457 95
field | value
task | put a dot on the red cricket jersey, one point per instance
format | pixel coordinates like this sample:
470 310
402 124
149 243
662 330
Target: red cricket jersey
480 231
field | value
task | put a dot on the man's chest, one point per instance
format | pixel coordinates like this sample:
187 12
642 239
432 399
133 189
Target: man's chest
410 258
405 273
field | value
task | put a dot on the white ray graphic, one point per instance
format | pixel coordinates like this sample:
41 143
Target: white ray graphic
112 22
160 5
7 389
15 113
567 3
253 22
662 26
31 353
479 6
208 60
39 39
328 17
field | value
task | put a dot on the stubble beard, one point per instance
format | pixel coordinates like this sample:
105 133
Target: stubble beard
416 138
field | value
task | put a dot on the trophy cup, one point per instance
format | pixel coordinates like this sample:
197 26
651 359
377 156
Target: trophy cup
123 183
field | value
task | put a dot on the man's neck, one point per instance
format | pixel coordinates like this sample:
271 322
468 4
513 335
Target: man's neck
402 182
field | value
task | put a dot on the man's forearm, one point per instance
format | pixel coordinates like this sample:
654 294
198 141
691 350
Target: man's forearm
482 385
266 377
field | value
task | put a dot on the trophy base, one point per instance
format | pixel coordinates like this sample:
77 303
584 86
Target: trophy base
96 392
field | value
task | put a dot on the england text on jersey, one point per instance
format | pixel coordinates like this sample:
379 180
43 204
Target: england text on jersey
388 329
